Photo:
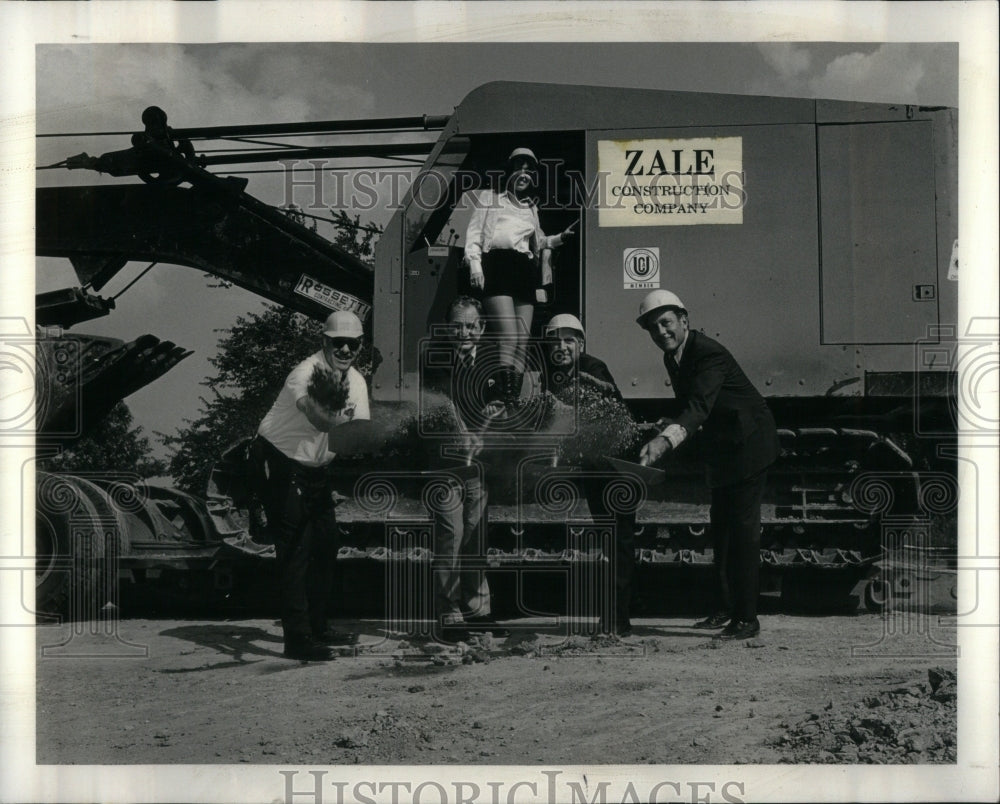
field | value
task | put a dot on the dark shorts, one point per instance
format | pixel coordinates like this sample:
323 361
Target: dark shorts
510 273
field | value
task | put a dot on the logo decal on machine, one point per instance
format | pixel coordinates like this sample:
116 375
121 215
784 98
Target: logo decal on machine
671 182
333 299
641 267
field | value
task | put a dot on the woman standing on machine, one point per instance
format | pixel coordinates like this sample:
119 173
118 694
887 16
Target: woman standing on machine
503 246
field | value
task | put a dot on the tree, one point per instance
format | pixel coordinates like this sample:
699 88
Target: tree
354 237
113 445
252 362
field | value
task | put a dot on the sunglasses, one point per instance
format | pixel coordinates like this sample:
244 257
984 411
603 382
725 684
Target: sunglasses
352 344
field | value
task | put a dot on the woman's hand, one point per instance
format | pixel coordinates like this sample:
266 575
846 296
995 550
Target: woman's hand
476 275
569 232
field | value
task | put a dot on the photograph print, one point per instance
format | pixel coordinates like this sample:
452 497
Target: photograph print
499 409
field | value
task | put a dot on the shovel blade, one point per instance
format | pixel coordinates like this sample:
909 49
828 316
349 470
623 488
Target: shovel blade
647 474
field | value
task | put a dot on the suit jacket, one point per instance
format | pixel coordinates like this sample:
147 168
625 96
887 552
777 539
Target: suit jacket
738 437
554 380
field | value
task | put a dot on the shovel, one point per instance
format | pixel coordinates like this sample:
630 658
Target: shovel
468 471
647 474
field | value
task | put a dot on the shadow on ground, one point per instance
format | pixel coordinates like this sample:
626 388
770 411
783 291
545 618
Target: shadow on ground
239 642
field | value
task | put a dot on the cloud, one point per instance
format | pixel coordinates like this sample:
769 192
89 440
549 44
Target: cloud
925 73
890 74
106 87
788 60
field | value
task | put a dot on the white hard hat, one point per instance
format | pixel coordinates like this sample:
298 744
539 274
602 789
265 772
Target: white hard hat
564 321
343 324
525 153
656 300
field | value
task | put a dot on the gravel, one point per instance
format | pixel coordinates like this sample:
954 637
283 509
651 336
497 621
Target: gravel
910 724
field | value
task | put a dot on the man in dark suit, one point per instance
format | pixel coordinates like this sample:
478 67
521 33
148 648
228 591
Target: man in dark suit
570 374
739 442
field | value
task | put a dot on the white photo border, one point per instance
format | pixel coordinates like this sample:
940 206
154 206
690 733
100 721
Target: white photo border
973 25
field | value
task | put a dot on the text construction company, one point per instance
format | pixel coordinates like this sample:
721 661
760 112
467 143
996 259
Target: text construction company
672 182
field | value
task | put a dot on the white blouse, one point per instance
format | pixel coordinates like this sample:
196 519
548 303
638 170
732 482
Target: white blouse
500 221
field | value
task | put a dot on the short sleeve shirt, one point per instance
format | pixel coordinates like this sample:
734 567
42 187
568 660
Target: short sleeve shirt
287 427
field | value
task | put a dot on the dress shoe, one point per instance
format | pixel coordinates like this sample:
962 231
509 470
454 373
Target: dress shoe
485 622
308 650
333 636
717 620
740 629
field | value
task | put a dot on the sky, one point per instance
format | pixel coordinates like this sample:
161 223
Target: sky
105 87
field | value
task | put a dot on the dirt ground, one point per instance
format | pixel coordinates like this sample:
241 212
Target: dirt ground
844 689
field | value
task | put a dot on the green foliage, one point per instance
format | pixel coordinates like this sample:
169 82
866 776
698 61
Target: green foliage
113 445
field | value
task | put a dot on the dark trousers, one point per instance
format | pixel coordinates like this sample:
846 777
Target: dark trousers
302 522
735 521
595 483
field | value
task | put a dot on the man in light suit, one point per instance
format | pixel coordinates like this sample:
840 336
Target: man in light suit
461 590
738 442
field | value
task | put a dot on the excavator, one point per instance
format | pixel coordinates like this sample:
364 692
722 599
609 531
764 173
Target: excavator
832 275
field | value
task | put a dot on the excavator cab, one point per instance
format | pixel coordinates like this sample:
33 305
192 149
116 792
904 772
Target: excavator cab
432 227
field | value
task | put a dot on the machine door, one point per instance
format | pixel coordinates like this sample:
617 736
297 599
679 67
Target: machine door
747 269
878 232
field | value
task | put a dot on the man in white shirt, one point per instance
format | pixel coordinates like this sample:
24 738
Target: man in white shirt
300 435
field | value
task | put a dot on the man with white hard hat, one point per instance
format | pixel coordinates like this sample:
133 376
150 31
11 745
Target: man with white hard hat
296 442
738 442
568 363
565 341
